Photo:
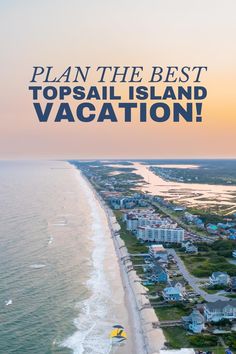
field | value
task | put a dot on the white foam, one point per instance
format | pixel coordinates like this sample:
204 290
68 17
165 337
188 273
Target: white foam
50 240
8 302
37 266
93 322
60 224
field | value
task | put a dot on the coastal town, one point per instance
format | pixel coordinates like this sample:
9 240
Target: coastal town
185 261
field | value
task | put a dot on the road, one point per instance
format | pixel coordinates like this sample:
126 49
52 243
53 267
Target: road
194 281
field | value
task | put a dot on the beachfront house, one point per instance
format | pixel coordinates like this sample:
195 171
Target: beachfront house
180 285
158 274
195 322
219 278
158 252
172 294
220 310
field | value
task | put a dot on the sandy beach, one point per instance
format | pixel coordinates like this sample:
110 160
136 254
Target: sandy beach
145 338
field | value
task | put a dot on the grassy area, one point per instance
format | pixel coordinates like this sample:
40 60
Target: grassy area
230 340
156 288
215 289
205 263
178 338
211 258
168 313
211 291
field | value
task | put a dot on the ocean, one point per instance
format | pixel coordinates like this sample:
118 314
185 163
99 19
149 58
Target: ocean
60 283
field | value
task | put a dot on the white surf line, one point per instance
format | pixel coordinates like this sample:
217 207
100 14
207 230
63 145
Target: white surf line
133 312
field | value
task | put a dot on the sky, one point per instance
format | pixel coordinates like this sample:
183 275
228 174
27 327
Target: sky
62 33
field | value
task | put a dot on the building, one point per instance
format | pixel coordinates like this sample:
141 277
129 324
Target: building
219 278
164 234
233 283
146 217
220 310
158 252
212 229
179 285
172 294
194 219
189 247
177 351
178 208
158 274
195 322
123 202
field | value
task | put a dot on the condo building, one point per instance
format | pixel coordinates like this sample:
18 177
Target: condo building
169 233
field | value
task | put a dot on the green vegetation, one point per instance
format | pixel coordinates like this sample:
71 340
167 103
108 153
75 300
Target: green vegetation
177 338
173 312
155 288
205 265
209 171
212 291
211 258
203 340
126 176
221 247
230 340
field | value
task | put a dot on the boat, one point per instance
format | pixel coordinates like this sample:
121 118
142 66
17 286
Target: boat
118 335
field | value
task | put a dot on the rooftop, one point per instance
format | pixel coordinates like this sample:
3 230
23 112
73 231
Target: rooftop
220 304
157 248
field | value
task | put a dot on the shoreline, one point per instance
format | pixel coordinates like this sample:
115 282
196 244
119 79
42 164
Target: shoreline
146 339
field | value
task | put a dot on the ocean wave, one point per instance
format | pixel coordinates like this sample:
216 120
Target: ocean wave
93 323
37 266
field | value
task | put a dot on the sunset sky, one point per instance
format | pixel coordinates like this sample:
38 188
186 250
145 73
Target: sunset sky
61 33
